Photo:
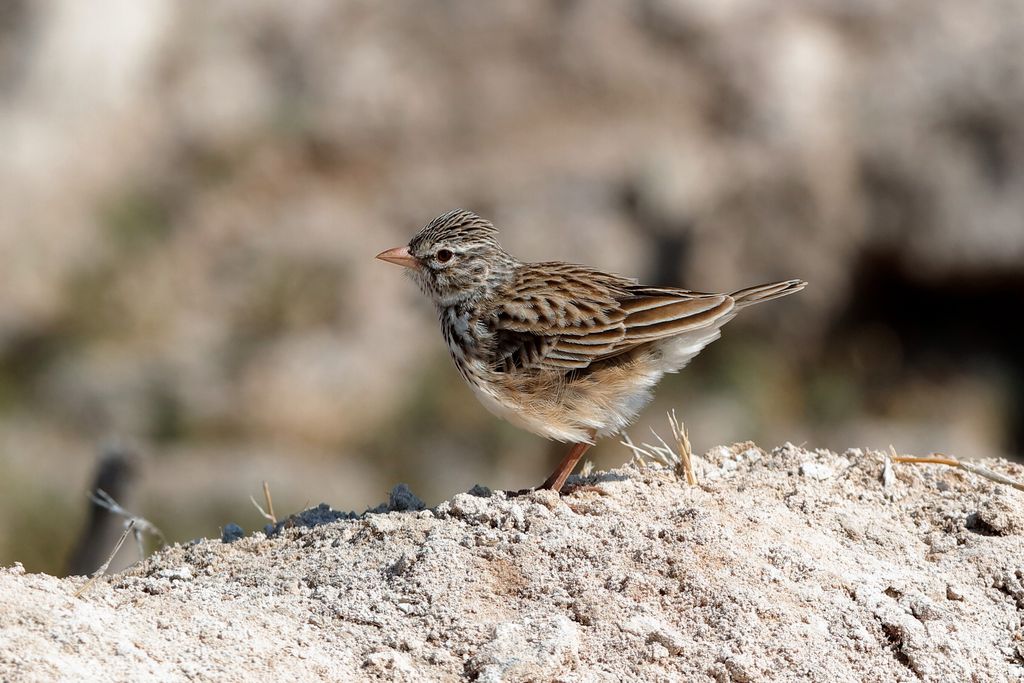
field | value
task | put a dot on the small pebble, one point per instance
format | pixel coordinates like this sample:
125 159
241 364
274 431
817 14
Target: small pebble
815 470
231 533
659 651
182 573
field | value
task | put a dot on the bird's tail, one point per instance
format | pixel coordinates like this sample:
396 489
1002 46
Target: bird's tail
759 293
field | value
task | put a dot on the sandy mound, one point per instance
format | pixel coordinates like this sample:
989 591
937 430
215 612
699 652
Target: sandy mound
789 565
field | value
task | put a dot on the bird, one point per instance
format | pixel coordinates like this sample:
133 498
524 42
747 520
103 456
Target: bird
567 352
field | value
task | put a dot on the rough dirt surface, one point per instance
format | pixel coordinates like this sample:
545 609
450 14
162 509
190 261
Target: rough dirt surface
781 565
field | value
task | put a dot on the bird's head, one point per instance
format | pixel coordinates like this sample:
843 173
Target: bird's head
454 258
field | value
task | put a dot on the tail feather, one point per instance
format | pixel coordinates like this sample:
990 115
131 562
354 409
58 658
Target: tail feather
759 293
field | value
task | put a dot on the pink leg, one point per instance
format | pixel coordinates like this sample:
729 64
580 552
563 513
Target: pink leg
565 468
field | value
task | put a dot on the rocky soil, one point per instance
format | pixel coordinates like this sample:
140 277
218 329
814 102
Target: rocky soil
781 565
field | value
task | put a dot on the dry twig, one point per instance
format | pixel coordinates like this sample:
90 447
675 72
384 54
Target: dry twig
941 459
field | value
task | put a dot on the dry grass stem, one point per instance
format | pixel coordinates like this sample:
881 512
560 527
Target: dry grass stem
678 459
140 525
270 516
270 501
682 436
941 459
110 558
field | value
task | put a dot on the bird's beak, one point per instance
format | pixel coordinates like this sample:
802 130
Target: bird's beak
400 256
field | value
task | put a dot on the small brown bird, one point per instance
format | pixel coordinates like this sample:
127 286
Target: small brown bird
564 351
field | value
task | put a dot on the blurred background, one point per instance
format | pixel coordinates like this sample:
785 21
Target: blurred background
191 196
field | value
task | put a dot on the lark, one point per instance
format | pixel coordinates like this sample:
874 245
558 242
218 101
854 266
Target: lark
565 351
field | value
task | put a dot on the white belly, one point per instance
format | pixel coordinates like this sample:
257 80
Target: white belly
537 426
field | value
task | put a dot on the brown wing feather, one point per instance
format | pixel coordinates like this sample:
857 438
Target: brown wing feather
661 315
565 317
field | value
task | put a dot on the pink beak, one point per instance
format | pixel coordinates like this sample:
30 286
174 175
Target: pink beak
400 256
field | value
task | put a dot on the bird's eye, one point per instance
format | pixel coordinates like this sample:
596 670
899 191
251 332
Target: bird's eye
444 255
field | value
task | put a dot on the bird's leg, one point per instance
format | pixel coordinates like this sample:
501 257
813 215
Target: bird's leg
565 468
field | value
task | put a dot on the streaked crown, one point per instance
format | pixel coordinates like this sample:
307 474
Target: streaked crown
458 225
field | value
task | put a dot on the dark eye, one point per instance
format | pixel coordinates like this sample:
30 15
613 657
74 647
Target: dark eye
444 255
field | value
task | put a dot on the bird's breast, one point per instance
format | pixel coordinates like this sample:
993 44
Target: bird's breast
467 340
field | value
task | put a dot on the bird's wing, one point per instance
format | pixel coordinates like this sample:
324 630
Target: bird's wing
558 316
564 317
653 313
